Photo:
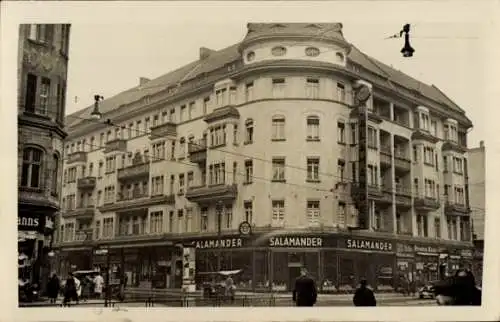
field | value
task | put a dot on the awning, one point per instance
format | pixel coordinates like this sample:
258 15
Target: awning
26 235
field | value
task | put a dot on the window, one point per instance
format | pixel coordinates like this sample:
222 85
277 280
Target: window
107 228
312 51
458 165
110 164
424 125
228 214
155 120
188 220
249 127
415 153
248 171
30 95
312 169
372 138
218 135
41 32
183 113
32 164
138 128
429 156
180 220
416 187
434 127
172 184
206 101
157 185
459 195
422 228
378 220
278 51
191 110
341 92
55 174
158 151
278 169
437 227
445 163
278 212
235 134
249 91
204 219
372 175
232 95
341 132
217 173
99 198
44 96
278 87
109 194
312 128
353 133
398 224
171 116
147 124
181 183
278 128
312 88
97 229
220 96
341 170
248 206
313 212
182 147
101 140
172 149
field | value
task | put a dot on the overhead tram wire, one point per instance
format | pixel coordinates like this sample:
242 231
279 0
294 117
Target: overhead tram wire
344 180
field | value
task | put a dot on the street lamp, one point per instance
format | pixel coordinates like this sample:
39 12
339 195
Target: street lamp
96 114
219 233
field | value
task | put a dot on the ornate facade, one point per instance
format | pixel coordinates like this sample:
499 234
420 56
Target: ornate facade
266 132
42 73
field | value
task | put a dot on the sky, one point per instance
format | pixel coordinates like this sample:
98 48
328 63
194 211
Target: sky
109 58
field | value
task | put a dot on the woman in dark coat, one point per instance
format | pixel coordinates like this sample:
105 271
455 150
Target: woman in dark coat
53 288
70 290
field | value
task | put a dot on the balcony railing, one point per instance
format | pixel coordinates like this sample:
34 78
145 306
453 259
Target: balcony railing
134 171
84 235
167 129
82 211
453 208
86 183
137 201
198 151
212 193
426 203
402 161
403 196
75 157
116 145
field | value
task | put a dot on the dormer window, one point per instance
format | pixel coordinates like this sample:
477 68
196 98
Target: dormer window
312 51
278 51
250 56
451 132
339 57
220 95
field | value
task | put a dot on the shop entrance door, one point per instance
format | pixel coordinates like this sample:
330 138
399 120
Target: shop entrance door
293 273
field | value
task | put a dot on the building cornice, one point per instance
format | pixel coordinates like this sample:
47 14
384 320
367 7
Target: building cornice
41 122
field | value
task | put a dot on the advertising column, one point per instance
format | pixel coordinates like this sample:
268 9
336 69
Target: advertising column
189 267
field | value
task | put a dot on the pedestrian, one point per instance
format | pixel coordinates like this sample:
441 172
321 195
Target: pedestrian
304 292
53 287
363 295
98 285
465 291
70 292
229 289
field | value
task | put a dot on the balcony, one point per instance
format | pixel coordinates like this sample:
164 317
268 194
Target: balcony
456 209
140 170
168 129
82 212
87 183
119 145
138 201
386 196
84 235
212 193
403 196
426 204
375 192
198 151
385 157
449 145
402 162
75 157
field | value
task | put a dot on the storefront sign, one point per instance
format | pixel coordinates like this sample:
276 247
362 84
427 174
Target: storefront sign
368 245
404 249
296 241
35 222
25 222
219 243
426 249
466 252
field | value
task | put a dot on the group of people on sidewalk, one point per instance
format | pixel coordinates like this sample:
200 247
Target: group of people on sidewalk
459 289
74 289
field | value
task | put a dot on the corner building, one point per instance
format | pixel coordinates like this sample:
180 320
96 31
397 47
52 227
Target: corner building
266 131
42 73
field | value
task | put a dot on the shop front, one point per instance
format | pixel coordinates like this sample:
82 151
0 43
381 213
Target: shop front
405 265
426 263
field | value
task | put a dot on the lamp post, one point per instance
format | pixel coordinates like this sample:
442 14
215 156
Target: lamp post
219 232
96 114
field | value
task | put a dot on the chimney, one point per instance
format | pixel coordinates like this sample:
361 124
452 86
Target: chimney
481 144
143 80
205 52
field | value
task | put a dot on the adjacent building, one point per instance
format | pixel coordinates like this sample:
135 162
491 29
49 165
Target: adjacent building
267 133
42 73
477 176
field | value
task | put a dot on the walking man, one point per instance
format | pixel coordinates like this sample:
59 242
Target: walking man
363 295
304 292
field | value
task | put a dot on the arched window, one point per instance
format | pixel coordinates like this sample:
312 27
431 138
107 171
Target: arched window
278 51
313 128
278 128
55 175
32 168
249 127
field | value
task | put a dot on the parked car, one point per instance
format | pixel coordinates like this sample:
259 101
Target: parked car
427 291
